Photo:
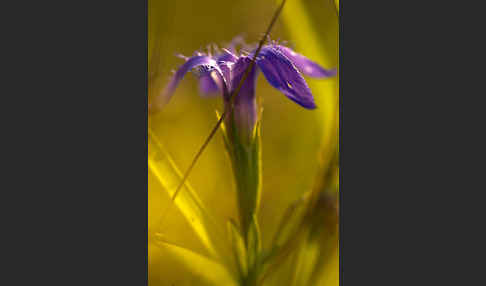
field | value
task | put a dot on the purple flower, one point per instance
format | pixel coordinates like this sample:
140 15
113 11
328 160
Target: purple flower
222 72
281 66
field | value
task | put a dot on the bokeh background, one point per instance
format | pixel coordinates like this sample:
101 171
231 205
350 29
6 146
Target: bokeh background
294 139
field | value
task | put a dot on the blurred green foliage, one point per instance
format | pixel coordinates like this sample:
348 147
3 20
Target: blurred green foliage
295 141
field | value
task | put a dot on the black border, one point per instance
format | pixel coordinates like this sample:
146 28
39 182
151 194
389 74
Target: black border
77 170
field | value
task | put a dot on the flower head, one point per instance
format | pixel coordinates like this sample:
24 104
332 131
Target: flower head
281 66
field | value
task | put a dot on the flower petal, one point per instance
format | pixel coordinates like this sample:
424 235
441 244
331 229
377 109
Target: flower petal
237 72
227 56
245 107
205 64
304 65
208 84
282 74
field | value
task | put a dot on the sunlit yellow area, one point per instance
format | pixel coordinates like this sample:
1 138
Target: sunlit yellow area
193 237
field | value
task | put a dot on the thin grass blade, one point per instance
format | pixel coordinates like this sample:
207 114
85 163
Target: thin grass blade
188 202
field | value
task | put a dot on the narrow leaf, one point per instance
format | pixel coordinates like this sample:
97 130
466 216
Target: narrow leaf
254 243
238 248
210 272
188 203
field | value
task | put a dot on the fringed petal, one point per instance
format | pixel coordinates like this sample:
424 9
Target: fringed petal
204 64
283 75
304 65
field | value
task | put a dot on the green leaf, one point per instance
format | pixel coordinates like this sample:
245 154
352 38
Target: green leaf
324 234
254 243
287 239
291 221
208 271
187 202
238 247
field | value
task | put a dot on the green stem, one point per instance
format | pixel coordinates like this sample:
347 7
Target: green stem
246 165
250 279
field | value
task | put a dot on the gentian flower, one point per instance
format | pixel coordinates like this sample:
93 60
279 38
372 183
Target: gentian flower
222 71
281 66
